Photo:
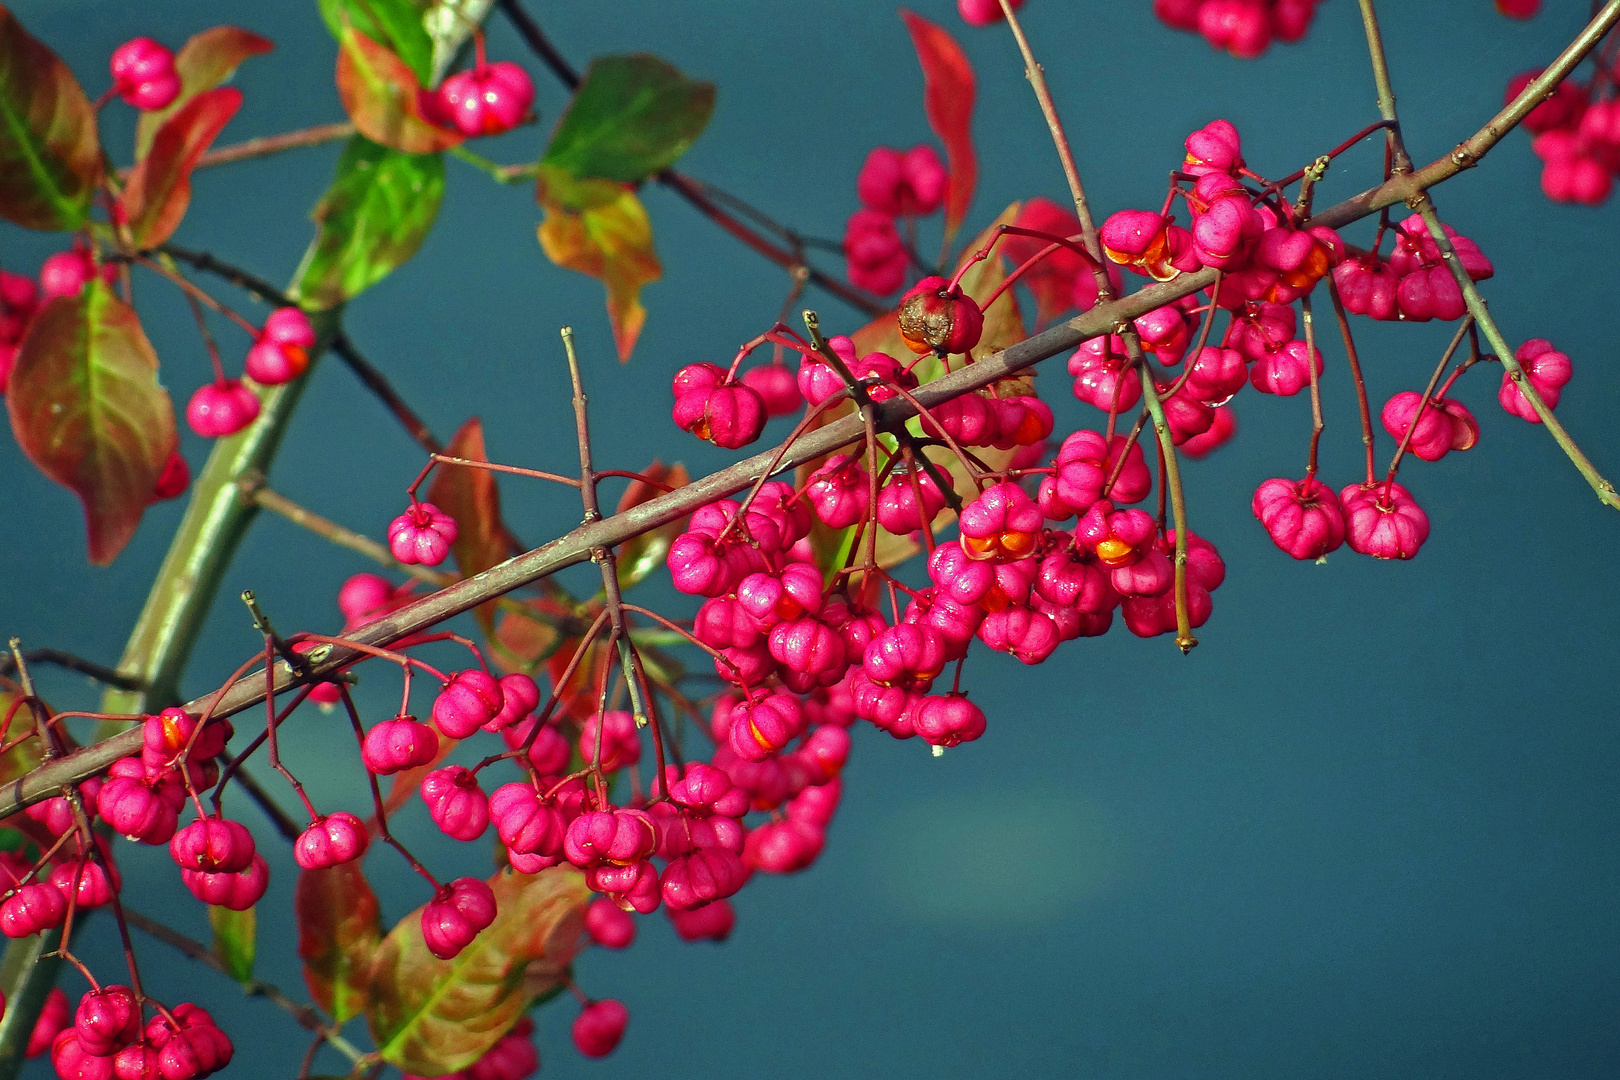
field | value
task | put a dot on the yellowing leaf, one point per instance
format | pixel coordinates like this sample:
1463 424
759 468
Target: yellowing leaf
599 228
432 1016
87 408
339 928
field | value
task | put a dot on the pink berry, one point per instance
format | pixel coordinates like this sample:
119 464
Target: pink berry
512 1058
135 808
471 699
1215 147
1306 522
401 743
618 837
609 925
1443 426
222 408
520 696
54 1017
31 909
1285 371
1384 524
730 415
456 915
620 741
197 1049
599 1027
1021 632
1103 375
331 840
777 388
899 509
525 824
107 1020
784 847
94 889
1548 371
1519 9
948 721
1223 425
237 891
702 877
838 491
1241 27
422 534
281 352
488 100
75 1062
456 803
67 272
900 185
1563 109
143 74
875 259
711 922
213 845
173 480
364 594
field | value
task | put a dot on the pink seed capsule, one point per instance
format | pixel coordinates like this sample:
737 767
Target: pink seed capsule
1386 524
600 1027
32 908
213 845
711 922
467 702
401 743
143 74
107 1020
422 534
456 803
456 915
619 739
331 840
609 925
221 408
237 891
490 99
1305 521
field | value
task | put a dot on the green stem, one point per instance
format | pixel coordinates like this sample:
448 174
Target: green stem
27 973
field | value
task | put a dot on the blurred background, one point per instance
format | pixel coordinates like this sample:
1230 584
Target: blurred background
1367 828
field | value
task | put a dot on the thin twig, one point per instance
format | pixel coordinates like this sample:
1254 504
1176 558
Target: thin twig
58 658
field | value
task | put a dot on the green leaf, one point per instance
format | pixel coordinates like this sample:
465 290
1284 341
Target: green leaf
395 24
384 97
205 61
235 934
339 927
50 157
374 216
159 189
87 408
630 117
599 228
432 1016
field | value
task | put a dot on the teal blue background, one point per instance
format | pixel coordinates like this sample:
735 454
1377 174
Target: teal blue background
1366 829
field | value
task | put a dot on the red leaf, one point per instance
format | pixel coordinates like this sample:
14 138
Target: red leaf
159 188
50 157
470 496
339 928
87 408
204 62
384 98
948 99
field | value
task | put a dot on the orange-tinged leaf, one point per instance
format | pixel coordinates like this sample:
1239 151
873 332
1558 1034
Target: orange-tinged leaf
948 91
87 408
641 555
582 694
430 1016
339 928
599 228
205 61
159 188
50 157
470 496
384 98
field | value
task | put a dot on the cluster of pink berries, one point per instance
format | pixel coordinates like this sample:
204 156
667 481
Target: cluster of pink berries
1244 28
1577 137
280 353
891 185
1267 264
